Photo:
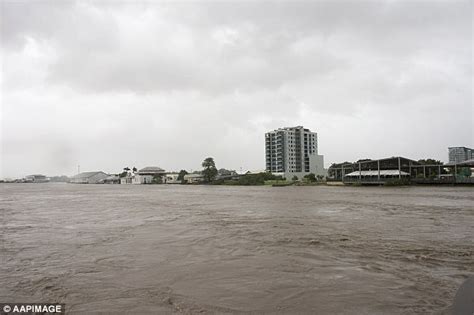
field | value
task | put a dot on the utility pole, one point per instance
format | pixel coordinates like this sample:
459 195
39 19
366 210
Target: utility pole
78 169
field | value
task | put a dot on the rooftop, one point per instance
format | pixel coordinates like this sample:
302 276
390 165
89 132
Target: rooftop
151 169
459 148
463 163
290 128
87 174
193 175
375 173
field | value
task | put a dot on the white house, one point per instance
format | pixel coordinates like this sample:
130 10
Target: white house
171 178
147 174
127 179
193 178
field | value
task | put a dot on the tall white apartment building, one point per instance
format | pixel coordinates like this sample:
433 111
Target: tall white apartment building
293 151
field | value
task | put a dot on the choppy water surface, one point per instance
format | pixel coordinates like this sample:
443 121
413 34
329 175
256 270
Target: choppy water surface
190 249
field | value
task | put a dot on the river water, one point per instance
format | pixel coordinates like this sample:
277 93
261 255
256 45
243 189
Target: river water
226 249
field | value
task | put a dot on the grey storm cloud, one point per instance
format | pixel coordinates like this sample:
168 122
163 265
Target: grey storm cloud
170 83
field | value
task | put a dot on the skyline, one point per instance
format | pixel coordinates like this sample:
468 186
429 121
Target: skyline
79 170
106 85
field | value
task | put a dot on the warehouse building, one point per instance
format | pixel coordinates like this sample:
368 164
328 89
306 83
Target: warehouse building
369 171
89 178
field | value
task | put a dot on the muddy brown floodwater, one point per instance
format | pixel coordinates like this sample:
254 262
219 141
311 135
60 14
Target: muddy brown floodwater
215 249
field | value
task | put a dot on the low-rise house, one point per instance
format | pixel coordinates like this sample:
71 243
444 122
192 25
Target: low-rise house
127 179
148 175
255 172
37 178
224 174
193 178
88 178
112 179
171 178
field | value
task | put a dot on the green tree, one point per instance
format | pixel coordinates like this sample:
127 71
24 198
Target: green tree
464 171
430 162
210 170
125 172
295 178
157 179
134 169
181 174
311 177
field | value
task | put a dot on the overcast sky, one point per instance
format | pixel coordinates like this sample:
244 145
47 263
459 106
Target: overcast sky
107 84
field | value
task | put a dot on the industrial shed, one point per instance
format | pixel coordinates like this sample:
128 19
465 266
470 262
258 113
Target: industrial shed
378 176
89 178
393 167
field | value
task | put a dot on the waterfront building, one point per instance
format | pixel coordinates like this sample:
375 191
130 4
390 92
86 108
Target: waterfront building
255 172
460 154
112 179
369 171
193 178
224 174
293 151
398 169
127 179
88 178
171 178
147 174
37 178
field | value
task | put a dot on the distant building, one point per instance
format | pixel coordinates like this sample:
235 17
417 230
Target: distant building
293 152
171 178
112 179
224 174
59 179
398 169
377 171
147 174
37 178
460 154
127 179
255 172
193 178
89 178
